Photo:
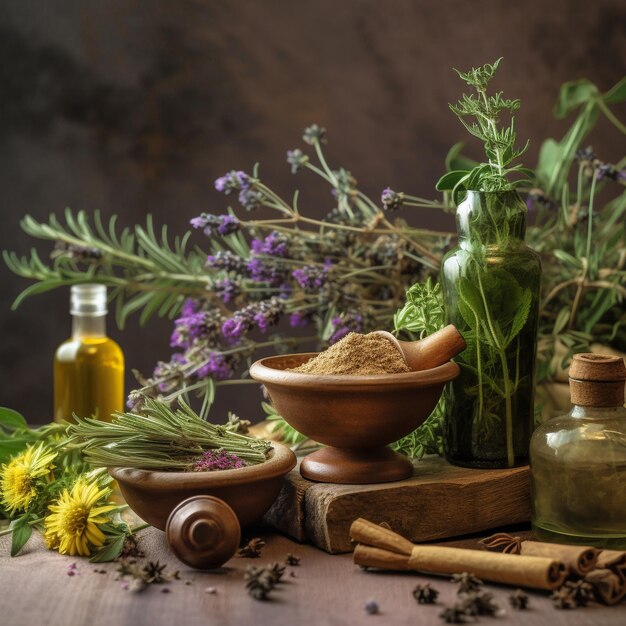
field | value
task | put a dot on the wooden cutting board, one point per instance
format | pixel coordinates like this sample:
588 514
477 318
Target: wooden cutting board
439 501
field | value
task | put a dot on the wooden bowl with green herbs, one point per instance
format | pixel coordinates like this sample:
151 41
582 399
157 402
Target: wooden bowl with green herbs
249 491
160 456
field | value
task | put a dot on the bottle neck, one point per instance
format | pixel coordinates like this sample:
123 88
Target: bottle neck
495 219
88 326
589 412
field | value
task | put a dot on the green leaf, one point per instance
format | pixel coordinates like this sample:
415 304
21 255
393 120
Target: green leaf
617 93
110 550
521 316
567 258
561 320
11 419
457 161
572 95
22 531
450 180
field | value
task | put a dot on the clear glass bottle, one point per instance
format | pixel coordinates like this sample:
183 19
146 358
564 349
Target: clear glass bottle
578 460
491 283
88 367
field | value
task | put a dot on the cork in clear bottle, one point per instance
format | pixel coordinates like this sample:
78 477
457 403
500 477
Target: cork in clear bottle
578 460
89 366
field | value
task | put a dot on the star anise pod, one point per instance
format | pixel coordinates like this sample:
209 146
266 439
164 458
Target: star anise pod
252 550
291 559
519 600
562 599
276 571
425 594
467 582
153 572
260 581
502 542
574 592
454 615
480 603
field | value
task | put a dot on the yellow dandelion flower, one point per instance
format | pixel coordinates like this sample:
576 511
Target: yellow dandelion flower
18 477
72 525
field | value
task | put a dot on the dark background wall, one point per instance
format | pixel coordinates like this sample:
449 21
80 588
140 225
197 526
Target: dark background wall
135 107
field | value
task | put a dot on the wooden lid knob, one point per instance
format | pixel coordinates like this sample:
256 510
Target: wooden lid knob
203 532
597 380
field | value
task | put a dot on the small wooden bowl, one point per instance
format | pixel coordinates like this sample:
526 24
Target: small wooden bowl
355 416
249 491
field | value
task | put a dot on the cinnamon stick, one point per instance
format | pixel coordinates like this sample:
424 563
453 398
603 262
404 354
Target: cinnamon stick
384 549
525 571
578 559
371 534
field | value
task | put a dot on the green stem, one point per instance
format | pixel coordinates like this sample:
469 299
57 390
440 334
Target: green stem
610 116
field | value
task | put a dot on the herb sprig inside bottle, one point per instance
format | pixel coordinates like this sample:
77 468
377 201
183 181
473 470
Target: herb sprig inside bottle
165 439
490 285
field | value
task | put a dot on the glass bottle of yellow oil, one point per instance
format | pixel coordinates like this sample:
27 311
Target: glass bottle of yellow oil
88 367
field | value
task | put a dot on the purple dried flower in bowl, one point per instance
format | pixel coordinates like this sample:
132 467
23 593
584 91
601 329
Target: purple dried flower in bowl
212 460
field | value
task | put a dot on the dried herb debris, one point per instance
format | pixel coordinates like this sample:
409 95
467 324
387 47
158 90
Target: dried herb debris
252 550
131 549
519 600
292 559
425 594
455 615
141 576
480 603
573 594
260 581
467 582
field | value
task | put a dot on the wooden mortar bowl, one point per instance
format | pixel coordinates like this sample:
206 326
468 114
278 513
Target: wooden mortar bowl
249 491
355 416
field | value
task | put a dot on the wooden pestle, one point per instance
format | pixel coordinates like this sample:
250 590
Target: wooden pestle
432 351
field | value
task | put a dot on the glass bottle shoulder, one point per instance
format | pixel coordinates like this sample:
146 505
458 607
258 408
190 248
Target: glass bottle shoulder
87 349
582 435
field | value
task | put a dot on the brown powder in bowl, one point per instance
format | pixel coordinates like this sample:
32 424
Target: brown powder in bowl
357 355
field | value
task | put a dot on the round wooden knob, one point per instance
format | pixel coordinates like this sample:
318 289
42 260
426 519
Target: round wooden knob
203 532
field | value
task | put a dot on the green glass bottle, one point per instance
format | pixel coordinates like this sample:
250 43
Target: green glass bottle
491 284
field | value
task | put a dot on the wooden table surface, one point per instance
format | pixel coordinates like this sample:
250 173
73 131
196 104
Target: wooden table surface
324 590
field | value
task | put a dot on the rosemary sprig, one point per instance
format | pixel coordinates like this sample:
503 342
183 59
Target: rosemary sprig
160 438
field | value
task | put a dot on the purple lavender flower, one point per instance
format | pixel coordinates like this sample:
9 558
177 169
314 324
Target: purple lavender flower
234 328
250 199
261 315
313 134
190 306
263 272
274 244
212 460
311 277
226 260
233 181
344 324
299 319
391 200
216 366
226 289
297 159
228 224
221 224
193 325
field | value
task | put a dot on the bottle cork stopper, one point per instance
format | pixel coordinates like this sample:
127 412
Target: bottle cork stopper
597 380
